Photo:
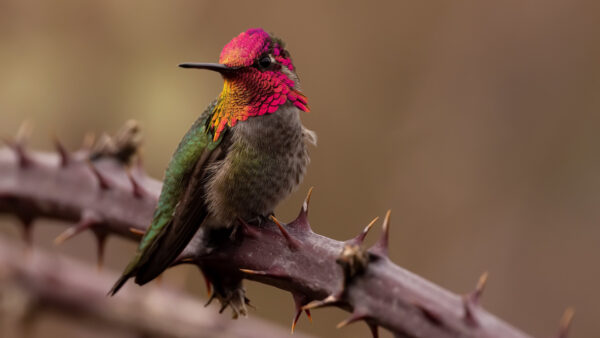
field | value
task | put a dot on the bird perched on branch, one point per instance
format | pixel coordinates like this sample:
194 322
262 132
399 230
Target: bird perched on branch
241 157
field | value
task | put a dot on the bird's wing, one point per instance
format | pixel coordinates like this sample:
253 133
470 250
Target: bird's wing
181 207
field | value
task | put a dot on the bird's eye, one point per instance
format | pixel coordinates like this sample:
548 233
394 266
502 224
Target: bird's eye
264 62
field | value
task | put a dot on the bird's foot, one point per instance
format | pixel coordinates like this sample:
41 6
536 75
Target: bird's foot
230 293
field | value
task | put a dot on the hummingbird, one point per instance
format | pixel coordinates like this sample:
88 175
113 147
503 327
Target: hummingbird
241 157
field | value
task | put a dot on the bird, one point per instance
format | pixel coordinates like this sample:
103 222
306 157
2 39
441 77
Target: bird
245 153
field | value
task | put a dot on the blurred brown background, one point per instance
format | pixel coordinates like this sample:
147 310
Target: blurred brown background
475 122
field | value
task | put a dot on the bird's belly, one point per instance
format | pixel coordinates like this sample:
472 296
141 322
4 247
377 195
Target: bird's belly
251 182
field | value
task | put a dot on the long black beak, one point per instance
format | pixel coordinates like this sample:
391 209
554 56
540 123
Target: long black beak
217 67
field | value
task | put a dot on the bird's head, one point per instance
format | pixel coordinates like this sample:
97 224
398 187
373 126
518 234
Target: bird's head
259 78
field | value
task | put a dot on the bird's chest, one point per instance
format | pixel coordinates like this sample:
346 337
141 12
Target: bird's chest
265 161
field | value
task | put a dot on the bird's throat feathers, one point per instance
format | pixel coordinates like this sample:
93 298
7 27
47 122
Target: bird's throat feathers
252 93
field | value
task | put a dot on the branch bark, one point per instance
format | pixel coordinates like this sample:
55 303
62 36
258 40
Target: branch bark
41 281
106 199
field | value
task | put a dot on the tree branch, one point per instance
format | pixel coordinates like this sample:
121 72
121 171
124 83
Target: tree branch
107 199
40 281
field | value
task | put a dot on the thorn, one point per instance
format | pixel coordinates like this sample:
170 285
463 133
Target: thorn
248 229
292 243
88 141
301 221
565 322
88 219
295 320
381 247
308 315
374 331
471 300
137 231
476 295
65 157
254 272
329 301
307 201
353 318
102 180
24 132
299 301
27 222
101 242
22 156
361 237
138 191
71 232
273 273
20 142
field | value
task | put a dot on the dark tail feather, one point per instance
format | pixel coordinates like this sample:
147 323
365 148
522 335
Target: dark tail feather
122 280
162 255
159 263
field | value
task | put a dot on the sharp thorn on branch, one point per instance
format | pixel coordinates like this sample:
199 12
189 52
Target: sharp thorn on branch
27 223
88 141
254 272
354 317
381 247
299 302
88 220
374 330
306 203
331 300
273 273
19 144
138 232
297 314
308 315
248 229
301 222
65 157
22 155
361 237
481 283
292 243
28 235
136 188
24 132
101 244
565 323
103 181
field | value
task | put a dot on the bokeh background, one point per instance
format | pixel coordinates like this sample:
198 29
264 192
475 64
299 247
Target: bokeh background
476 122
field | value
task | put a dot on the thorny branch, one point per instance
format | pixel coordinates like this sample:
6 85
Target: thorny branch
107 197
40 281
